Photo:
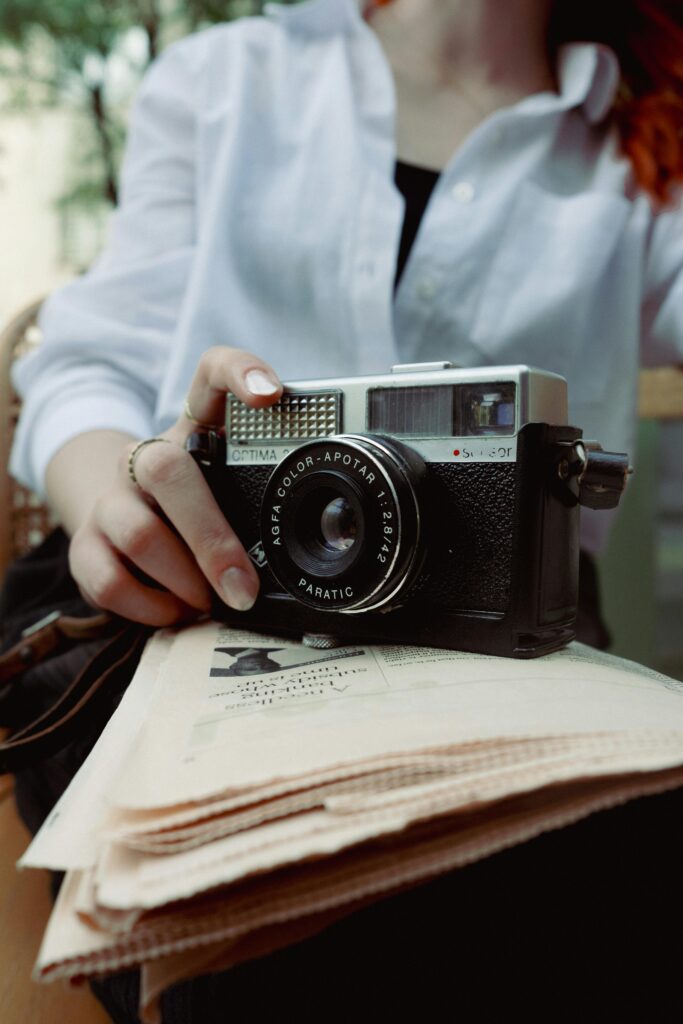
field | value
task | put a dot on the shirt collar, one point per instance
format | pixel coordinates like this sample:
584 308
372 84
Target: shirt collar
588 76
588 73
317 16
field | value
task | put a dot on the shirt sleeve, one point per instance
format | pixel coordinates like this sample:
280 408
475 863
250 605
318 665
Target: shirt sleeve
106 335
662 328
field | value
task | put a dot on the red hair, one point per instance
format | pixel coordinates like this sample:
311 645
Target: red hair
647 37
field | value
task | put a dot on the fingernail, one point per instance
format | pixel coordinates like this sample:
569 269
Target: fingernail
260 384
239 589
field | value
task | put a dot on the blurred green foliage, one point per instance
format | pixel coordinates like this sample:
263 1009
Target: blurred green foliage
78 52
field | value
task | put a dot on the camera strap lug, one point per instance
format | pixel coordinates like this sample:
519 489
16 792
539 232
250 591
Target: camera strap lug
594 477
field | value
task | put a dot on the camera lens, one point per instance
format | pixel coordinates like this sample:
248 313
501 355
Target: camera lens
338 525
323 524
340 522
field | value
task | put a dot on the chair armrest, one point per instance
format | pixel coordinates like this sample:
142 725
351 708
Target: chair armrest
660 393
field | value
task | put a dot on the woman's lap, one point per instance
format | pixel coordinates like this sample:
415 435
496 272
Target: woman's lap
581 921
577 922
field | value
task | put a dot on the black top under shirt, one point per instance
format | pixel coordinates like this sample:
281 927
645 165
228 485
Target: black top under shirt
416 184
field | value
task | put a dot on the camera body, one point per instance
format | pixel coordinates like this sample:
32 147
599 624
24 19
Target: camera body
431 505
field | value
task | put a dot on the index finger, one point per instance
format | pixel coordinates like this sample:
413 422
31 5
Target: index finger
223 369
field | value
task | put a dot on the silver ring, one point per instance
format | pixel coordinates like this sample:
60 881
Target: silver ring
136 451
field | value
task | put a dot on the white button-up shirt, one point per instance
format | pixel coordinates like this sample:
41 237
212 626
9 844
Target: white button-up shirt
259 210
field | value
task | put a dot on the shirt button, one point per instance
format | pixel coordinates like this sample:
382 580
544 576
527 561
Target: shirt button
463 192
426 288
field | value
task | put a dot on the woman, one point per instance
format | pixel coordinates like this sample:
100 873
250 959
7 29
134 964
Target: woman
259 211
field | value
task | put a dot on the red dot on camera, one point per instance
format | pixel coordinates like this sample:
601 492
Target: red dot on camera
456 451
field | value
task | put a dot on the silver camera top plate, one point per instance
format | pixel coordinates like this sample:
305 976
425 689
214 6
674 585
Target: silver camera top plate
446 413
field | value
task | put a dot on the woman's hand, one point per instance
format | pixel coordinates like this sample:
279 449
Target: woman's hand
123 536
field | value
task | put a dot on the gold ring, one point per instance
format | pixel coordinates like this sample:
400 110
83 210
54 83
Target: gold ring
193 419
136 451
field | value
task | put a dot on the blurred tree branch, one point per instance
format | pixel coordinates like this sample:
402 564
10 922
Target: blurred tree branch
65 52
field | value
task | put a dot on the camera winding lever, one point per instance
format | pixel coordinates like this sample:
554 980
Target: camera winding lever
596 478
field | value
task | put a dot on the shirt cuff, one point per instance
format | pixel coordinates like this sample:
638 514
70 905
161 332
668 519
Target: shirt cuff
39 437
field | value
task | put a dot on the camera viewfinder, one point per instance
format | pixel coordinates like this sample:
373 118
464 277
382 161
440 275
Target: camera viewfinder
448 410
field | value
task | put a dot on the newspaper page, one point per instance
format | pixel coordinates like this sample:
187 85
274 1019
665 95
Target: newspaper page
220 715
131 879
236 710
248 787
73 948
70 835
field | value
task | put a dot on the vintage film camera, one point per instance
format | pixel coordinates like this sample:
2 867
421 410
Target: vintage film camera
431 505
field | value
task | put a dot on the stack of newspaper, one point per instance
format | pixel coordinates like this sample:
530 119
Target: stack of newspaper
249 791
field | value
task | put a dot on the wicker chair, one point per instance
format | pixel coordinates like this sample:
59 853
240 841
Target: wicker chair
24 520
660 394
24 900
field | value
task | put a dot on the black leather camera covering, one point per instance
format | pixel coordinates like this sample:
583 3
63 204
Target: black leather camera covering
501 574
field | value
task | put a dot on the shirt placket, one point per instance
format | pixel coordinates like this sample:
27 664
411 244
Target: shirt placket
436 285
379 215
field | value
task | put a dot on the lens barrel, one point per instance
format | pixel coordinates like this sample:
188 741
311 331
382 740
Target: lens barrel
341 522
